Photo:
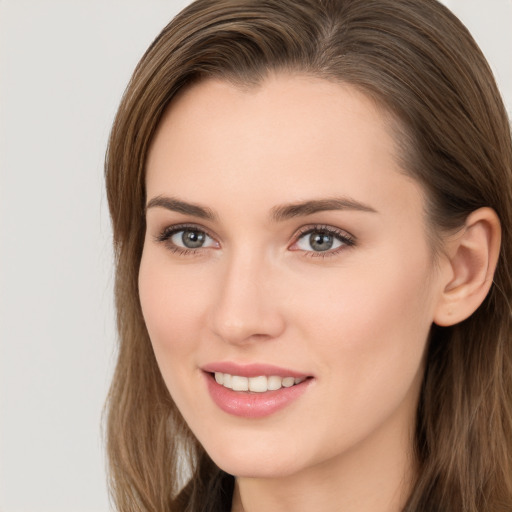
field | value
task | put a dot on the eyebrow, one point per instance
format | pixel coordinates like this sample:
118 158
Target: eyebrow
278 213
288 211
176 205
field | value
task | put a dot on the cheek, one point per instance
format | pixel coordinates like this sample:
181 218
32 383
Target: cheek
172 305
370 324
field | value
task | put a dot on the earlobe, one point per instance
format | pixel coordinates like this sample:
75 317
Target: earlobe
472 256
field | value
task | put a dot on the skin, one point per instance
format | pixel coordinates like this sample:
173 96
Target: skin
356 318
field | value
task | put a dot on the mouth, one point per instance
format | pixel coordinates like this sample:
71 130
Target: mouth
254 391
259 384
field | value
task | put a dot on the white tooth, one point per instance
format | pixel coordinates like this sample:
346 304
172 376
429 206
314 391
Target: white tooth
227 381
219 377
288 382
258 384
240 383
298 380
274 383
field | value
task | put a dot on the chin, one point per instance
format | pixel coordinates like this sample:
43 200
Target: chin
256 461
255 469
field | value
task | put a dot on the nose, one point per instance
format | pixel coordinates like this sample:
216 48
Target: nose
246 307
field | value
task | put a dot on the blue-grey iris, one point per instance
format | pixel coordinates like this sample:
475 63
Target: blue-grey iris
193 239
321 241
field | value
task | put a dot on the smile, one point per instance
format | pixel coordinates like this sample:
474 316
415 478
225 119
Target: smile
260 384
256 390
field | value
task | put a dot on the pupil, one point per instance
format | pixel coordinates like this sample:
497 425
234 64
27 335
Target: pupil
321 241
193 239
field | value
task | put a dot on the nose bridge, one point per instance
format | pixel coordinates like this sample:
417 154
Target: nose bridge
245 308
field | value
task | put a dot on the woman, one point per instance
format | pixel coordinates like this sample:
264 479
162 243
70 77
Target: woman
311 204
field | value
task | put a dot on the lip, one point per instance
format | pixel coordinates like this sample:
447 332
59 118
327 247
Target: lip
247 404
251 370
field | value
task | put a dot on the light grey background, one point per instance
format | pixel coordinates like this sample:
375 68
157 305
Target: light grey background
63 67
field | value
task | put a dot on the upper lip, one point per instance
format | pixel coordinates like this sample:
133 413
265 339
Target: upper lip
251 370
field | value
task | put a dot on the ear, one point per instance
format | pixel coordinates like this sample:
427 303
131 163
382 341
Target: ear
472 256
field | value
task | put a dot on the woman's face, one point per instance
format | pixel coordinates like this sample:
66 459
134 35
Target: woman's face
284 244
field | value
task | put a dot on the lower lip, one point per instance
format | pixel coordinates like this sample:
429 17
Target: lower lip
247 404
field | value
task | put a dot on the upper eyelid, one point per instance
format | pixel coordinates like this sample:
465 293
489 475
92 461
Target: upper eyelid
176 228
324 227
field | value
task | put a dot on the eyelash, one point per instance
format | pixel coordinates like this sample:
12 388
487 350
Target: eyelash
347 240
166 235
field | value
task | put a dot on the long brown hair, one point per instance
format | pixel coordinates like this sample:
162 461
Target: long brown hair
420 64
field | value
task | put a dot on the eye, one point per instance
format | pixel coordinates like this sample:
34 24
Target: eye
322 239
191 239
186 238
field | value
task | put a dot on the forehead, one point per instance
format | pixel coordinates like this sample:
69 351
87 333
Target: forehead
287 137
299 105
